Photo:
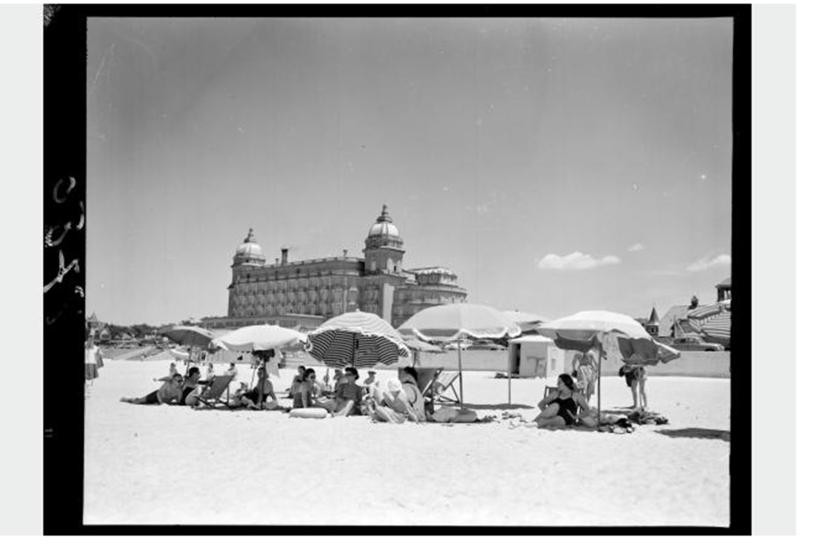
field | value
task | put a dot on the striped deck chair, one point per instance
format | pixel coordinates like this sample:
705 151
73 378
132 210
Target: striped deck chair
444 381
211 396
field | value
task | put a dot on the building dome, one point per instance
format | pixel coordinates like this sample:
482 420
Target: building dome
383 232
249 252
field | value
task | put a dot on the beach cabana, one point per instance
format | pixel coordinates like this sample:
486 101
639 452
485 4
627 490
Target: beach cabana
532 356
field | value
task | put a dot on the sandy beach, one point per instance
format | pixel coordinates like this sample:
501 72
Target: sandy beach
174 465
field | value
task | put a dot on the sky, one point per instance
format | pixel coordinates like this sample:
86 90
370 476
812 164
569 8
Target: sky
555 165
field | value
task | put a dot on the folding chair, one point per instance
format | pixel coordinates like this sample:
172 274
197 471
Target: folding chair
211 397
442 383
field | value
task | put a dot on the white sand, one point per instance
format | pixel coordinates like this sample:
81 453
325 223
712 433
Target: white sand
174 465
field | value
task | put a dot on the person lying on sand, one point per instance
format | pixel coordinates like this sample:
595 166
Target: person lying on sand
567 407
170 391
253 398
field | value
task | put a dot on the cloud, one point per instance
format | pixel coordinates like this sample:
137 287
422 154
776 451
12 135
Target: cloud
575 261
705 263
636 247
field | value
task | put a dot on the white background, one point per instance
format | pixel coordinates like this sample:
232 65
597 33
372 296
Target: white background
776 280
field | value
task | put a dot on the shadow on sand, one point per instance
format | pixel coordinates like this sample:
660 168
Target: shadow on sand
500 406
701 433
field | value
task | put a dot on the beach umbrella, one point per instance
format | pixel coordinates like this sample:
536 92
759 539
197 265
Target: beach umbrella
454 322
189 335
585 330
360 339
261 340
525 320
260 337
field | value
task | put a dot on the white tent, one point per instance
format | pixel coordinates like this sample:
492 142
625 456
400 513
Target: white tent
536 356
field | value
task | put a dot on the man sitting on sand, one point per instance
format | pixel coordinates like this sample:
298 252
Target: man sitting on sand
565 407
253 398
171 391
347 395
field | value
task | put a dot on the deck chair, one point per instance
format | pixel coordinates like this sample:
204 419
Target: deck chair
211 396
443 382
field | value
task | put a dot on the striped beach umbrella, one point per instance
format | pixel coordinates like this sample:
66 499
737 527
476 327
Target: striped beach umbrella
718 328
356 338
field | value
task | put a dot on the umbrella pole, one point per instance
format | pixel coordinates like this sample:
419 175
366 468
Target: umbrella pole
459 365
261 385
599 378
509 385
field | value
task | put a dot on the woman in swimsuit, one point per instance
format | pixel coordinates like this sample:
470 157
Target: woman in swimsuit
169 392
567 408
190 385
253 399
306 390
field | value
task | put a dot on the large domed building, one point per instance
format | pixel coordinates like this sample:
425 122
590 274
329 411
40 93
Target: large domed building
306 293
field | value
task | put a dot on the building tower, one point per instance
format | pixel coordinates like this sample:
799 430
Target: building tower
652 325
247 257
383 247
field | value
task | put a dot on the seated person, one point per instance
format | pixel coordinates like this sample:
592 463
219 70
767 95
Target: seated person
401 401
347 397
295 383
171 391
306 391
232 370
257 396
191 383
368 383
565 407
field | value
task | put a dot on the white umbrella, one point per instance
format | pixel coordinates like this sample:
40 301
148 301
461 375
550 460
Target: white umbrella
584 330
453 322
260 337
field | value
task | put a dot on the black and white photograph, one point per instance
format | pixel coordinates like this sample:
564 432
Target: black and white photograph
407 271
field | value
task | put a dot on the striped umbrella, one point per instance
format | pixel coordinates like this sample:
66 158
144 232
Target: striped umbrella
356 338
718 329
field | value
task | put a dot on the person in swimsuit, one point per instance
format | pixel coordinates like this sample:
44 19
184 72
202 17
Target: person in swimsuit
253 399
190 385
306 391
635 377
585 373
566 407
171 391
295 383
347 397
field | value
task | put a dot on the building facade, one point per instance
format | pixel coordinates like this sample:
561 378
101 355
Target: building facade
306 293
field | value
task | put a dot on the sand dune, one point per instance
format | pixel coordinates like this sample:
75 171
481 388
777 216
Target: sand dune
174 465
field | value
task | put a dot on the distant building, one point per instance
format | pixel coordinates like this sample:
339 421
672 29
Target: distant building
306 293
682 320
652 325
723 290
